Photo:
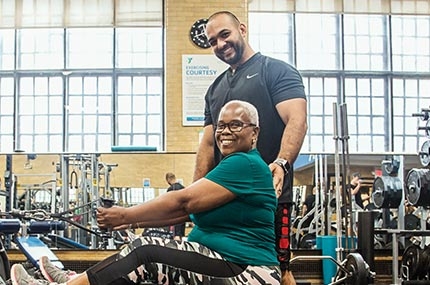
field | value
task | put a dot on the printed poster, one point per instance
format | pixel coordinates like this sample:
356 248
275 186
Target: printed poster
198 72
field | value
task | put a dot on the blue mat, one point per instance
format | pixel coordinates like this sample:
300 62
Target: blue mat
33 248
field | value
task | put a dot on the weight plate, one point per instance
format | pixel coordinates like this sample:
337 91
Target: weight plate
387 192
425 154
413 186
424 262
378 192
308 241
412 222
391 167
357 267
417 187
410 262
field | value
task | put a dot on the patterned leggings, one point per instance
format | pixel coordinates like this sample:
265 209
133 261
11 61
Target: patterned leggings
165 261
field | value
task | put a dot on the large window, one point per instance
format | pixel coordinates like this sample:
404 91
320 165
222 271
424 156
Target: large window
81 78
274 40
139 110
39 113
375 64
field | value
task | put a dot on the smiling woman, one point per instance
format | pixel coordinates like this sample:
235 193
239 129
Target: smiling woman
233 210
232 132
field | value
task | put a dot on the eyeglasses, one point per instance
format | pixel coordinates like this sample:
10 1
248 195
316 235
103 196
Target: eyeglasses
233 126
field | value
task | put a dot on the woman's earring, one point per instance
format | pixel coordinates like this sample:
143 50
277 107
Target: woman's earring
253 141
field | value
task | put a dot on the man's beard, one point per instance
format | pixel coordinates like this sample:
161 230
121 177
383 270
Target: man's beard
238 52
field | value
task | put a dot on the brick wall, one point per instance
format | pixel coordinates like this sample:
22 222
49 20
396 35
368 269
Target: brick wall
180 15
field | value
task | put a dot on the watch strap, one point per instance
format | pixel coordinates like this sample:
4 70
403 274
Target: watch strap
284 164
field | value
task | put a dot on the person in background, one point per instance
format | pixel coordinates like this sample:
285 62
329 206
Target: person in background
276 89
354 187
179 229
309 203
233 209
307 206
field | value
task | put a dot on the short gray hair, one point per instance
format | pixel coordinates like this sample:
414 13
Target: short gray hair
248 108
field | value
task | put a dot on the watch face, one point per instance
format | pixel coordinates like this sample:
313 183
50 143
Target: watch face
198 33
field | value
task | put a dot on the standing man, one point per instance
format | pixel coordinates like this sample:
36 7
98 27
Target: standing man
277 91
354 187
179 229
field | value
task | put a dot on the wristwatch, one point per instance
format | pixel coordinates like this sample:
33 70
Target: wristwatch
284 164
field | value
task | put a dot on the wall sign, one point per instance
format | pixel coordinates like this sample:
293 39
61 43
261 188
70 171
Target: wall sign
198 72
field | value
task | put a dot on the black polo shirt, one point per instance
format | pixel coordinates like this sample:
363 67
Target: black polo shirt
263 82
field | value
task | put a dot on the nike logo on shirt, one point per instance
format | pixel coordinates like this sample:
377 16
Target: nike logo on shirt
250 76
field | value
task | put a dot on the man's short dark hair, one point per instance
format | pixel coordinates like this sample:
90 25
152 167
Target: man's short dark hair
228 13
356 174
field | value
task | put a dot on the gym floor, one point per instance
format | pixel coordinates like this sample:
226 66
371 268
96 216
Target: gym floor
309 272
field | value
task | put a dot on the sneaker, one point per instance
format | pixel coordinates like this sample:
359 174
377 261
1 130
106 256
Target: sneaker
52 273
19 276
